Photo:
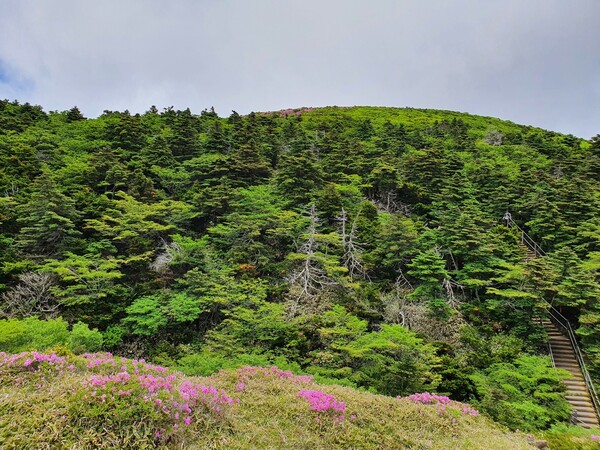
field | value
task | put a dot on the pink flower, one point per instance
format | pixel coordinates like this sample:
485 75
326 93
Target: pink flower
322 402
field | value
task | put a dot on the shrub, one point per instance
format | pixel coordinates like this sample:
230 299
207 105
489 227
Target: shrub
32 334
82 339
527 395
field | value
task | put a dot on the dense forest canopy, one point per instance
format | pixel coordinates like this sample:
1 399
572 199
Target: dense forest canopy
363 245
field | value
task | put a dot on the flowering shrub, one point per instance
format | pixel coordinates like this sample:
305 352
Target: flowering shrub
595 438
152 403
122 393
109 362
322 402
25 363
31 360
442 403
294 112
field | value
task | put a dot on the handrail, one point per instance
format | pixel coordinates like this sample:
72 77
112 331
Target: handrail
558 318
525 238
564 323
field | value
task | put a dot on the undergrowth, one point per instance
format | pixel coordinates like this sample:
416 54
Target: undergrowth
103 401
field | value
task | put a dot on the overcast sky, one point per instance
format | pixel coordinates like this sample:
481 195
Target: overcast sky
534 62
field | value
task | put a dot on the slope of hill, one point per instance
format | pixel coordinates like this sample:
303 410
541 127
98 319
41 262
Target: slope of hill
100 401
364 246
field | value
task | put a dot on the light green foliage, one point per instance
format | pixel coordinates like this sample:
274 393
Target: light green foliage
527 394
208 363
82 339
145 316
261 330
392 360
135 226
85 279
39 335
301 234
569 437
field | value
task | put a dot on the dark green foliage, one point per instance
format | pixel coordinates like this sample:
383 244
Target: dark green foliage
311 237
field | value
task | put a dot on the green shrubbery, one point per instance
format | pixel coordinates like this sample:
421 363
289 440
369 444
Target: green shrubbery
34 334
362 245
527 394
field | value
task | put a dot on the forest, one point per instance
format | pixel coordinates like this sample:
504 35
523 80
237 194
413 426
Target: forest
363 246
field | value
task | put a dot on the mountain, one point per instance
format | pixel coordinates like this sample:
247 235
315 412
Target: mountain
363 246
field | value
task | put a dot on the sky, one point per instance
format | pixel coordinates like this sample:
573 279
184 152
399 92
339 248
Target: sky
535 62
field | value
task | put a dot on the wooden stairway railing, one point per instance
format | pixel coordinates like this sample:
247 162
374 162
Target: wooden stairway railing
533 250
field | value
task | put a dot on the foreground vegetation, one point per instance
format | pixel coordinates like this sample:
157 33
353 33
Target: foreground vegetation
362 246
102 401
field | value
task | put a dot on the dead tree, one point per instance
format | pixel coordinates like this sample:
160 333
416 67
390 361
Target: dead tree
353 251
31 297
309 278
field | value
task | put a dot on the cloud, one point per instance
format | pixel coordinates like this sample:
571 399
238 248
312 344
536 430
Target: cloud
534 62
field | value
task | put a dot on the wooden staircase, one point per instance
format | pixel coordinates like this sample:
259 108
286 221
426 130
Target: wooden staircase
578 395
529 253
564 349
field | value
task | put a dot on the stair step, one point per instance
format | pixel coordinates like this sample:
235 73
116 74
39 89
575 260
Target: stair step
571 368
577 389
578 400
577 377
562 348
588 418
581 405
584 412
565 358
575 383
564 354
567 365
582 392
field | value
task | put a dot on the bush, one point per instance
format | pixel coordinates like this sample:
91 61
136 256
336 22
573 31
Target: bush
527 395
568 437
207 363
34 334
82 339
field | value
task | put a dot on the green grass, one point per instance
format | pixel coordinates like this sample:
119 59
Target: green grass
44 409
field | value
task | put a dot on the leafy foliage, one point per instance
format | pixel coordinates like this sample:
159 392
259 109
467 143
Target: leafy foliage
364 245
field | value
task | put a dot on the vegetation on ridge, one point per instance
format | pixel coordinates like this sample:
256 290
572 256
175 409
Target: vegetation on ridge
102 401
362 246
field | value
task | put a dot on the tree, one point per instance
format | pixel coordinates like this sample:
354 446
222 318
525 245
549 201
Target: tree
352 259
313 270
73 115
299 176
49 220
32 296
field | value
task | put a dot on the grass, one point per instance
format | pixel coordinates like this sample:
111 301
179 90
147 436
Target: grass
49 405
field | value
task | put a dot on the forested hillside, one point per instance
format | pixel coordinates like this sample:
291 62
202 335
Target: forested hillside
364 246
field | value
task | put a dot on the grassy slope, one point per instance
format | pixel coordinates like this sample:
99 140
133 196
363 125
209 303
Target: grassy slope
413 118
37 413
